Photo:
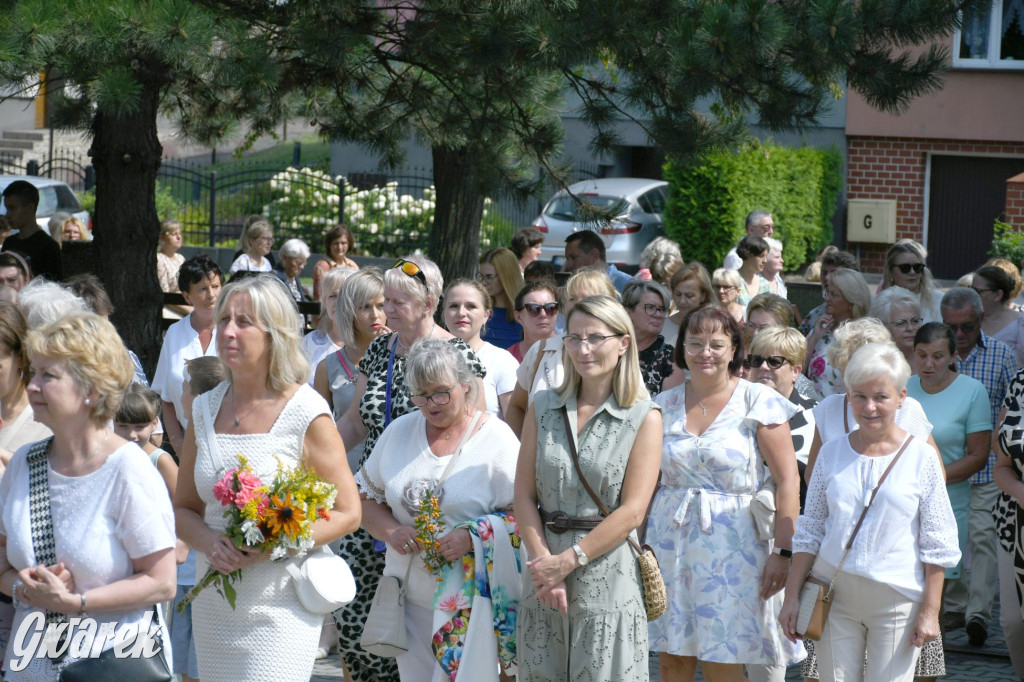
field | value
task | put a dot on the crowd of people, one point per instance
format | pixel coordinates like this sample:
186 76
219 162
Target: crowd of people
501 445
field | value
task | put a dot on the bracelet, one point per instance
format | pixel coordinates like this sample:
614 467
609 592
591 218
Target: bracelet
14 594
81 611
784 553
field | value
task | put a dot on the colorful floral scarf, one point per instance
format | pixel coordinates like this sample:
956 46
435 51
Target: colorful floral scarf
496 578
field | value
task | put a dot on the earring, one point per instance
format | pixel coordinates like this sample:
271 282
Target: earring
88 401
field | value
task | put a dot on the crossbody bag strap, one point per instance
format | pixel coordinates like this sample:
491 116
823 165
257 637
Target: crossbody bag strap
571 438
864 512
343 359
211 433
846 418
389 387
40 519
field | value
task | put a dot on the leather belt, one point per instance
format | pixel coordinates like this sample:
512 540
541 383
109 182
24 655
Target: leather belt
560 522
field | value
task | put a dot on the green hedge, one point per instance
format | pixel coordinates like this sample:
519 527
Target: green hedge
709 200
1007 242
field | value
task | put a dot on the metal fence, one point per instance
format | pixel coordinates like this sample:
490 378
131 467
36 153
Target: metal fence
389 212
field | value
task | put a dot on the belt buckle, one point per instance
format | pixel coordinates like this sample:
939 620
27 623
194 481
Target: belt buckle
558 522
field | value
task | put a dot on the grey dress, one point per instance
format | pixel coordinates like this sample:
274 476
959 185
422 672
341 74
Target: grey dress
342 378
604 635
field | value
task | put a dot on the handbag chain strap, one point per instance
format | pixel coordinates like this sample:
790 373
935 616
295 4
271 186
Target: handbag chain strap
571 437
856 529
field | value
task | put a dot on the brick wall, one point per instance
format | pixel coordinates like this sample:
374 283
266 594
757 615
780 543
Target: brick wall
894 168
1015 200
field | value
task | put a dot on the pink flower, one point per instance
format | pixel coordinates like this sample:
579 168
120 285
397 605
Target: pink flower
453 602
224 490
817 366
248 484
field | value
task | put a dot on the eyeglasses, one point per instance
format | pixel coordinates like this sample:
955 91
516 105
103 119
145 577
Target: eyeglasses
724 287
755 361
981 291
440 398
486 278
411 269
655 310
268 239
905 268
903 324
696 348
594 341
535 309
966 328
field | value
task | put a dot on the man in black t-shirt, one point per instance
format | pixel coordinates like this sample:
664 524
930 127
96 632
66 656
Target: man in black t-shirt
42 253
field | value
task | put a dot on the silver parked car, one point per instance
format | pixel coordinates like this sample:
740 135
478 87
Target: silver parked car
640 201
54 196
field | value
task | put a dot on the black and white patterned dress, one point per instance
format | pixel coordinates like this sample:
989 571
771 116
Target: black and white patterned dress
656 364
1010 523
357 548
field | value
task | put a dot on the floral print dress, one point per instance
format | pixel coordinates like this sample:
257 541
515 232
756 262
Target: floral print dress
702 532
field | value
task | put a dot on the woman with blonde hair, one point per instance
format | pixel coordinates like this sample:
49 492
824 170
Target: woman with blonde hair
326 338
543 365
501 277
267 411
255 244
111 559
727 284
847 297
905 267
582 611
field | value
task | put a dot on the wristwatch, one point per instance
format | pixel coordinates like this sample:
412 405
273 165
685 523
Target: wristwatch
581 556
784 553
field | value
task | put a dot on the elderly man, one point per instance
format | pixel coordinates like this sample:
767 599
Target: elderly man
759 224
585 249
993 363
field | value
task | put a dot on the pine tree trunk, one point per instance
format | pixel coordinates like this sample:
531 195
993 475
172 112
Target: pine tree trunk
455 237
126 154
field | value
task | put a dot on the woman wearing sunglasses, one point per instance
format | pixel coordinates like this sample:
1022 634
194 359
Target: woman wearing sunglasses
537 311
720 433
412 289
647 304
466 309
500 275
905 267
1002 321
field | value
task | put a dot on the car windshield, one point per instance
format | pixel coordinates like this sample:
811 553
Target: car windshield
568 208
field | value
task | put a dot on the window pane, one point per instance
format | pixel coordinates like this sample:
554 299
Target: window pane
47 201
974 35
1012 45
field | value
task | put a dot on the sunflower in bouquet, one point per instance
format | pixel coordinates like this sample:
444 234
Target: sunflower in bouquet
276 517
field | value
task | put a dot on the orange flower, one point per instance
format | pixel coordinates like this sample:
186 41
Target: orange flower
283 517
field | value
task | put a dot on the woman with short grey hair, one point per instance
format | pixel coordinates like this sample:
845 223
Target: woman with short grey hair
900 311
451 455
648 304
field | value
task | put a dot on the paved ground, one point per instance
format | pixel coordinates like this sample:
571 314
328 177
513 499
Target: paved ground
964 663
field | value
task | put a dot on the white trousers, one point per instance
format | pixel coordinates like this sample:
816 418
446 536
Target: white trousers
1010 612
867 616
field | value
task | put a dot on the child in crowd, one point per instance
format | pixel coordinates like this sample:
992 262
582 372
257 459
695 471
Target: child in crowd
201 375
136 420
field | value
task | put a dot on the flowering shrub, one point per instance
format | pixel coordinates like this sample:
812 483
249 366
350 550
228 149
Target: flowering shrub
384 222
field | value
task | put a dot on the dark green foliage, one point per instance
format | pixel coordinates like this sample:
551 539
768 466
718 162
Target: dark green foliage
1008 242
709 200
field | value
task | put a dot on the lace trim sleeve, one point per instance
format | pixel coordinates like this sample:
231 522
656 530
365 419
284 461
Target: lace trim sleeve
367 487
810 526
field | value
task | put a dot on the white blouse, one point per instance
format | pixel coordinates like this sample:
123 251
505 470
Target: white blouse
910 523
828 418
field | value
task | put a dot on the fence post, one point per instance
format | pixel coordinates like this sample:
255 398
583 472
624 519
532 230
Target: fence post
341 201
297 154
32 167
90 177
213 205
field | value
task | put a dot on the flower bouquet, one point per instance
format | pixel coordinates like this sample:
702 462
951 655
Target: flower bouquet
429 524
276 518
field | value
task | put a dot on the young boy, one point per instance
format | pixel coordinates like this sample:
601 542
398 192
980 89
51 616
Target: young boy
21 199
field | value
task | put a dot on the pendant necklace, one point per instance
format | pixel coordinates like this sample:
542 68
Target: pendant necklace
238 420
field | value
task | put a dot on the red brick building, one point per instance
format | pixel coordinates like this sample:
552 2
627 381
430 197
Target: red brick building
954 161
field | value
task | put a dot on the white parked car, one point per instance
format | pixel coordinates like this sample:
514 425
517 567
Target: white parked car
642 203
54 196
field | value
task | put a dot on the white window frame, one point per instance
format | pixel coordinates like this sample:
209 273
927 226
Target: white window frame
995 32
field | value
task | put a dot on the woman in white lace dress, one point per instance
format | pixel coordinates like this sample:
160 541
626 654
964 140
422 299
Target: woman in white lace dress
268 413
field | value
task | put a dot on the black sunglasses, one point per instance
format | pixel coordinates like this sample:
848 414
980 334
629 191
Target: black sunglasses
905 268
774 361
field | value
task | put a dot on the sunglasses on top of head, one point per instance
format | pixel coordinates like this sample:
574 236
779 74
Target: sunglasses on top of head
411 269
